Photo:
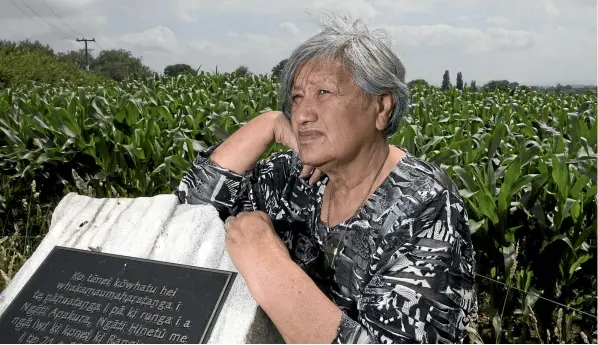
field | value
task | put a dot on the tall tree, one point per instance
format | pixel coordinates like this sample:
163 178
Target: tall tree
416 82
474 88
27 45
25 61
459 81
120 64
75 56
174 70
277 70
242 71
502 85
446 81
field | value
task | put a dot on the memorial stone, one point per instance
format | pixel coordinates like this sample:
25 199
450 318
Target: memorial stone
143 270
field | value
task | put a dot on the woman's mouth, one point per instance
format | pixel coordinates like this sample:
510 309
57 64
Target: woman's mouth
305 136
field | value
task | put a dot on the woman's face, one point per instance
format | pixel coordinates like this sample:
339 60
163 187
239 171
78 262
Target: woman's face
331 118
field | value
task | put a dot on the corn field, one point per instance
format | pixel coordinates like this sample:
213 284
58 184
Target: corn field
525 163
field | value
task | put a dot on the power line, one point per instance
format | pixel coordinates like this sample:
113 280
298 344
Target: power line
65 23
40 17
99 45
535 294
65 36
58 17
25 13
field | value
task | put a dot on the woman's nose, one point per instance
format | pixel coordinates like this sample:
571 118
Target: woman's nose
305 110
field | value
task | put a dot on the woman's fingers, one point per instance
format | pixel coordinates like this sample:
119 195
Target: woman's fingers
283 134
306 171
315 176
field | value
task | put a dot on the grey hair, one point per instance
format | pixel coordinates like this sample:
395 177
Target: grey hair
374 66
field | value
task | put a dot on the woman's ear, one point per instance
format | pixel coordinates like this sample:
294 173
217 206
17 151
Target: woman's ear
385 104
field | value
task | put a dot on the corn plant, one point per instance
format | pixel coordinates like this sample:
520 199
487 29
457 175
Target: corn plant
525 163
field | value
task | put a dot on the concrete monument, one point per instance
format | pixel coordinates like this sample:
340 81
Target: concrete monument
155 229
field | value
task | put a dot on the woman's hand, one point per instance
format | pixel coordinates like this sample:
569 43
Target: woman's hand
283 134
252 243
298 308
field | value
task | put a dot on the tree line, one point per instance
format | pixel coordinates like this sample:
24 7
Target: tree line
33 61
25 61
502 85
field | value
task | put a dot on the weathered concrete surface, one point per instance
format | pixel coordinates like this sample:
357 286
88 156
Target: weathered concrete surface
157 228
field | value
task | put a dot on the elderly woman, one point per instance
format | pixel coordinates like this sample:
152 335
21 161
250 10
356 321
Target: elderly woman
343 238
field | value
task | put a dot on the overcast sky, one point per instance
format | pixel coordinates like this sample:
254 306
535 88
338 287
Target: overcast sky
540 42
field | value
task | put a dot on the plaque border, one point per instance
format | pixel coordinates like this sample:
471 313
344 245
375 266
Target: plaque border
215 312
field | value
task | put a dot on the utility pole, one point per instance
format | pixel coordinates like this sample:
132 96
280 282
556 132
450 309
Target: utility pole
86 54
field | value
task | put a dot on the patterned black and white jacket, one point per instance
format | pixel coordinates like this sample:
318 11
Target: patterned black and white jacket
404 271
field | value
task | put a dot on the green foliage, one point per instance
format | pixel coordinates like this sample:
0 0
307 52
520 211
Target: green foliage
277 70
77 57
524 161
31 222
242 71
27 45
446 81
500 85
25 62
459 81
174 70
120 64
417 82
131 139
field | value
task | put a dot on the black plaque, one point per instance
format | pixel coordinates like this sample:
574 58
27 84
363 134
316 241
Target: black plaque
79 296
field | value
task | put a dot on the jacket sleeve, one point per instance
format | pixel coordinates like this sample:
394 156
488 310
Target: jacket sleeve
422 288
258 189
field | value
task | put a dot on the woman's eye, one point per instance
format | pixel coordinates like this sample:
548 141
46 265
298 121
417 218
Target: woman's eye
294 98
322 92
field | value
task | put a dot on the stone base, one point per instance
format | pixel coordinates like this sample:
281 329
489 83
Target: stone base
156 228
